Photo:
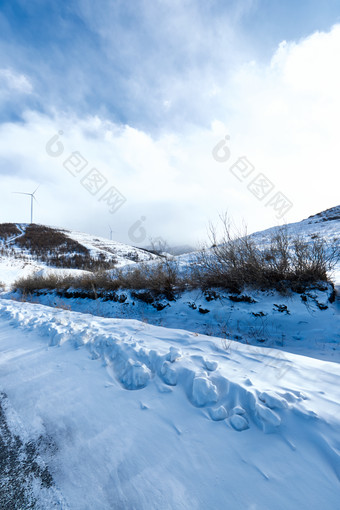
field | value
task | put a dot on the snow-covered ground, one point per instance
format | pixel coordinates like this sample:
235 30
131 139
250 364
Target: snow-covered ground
204 402
302 324
124 253
324 225
143 417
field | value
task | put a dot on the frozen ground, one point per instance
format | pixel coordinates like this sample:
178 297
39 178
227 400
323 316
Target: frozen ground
219 404
144 417
305 323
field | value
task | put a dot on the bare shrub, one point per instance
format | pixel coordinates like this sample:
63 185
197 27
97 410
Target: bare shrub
33 283
160 277
236 260
158 246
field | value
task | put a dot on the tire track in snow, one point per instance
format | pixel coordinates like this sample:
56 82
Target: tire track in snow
25 480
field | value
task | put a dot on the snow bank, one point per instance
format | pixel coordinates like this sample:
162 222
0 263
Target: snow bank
137 354
145 417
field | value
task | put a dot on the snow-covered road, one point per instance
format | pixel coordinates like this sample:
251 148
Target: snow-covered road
131 416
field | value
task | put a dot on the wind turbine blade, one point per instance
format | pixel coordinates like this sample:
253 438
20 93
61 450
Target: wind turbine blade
20 193
36 190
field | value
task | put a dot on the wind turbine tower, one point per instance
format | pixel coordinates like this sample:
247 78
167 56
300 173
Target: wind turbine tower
32 199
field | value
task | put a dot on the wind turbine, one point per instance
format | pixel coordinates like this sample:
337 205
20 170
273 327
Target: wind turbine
111 232
32 199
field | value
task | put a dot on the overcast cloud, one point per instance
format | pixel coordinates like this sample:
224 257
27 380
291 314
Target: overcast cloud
143 91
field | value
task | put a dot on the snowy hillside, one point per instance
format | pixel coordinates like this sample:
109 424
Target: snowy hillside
124 253
126 415
30 249
332 214
304 322
324 225
301 324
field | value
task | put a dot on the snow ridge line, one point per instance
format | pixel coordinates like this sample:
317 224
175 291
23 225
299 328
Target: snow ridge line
135 366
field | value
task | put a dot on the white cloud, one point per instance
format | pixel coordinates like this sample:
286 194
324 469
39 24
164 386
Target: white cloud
284 117
287 119
12 81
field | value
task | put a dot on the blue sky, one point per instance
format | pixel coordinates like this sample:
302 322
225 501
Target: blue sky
123 59
169 77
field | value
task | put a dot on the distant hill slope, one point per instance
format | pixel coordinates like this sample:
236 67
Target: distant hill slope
324 225
27 249
332 214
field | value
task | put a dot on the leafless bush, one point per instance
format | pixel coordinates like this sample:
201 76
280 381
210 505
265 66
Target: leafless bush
85 282
33 283
160 277
158 246
236 260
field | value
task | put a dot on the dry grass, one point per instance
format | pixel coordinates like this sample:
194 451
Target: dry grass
233 262
285 262
159 278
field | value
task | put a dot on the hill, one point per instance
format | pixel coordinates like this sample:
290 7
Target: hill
27 249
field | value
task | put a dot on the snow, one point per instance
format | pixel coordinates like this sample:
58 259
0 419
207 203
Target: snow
238 422
218 413
203 391
13 267
306 329
325 225
100 245
127 437
235 408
